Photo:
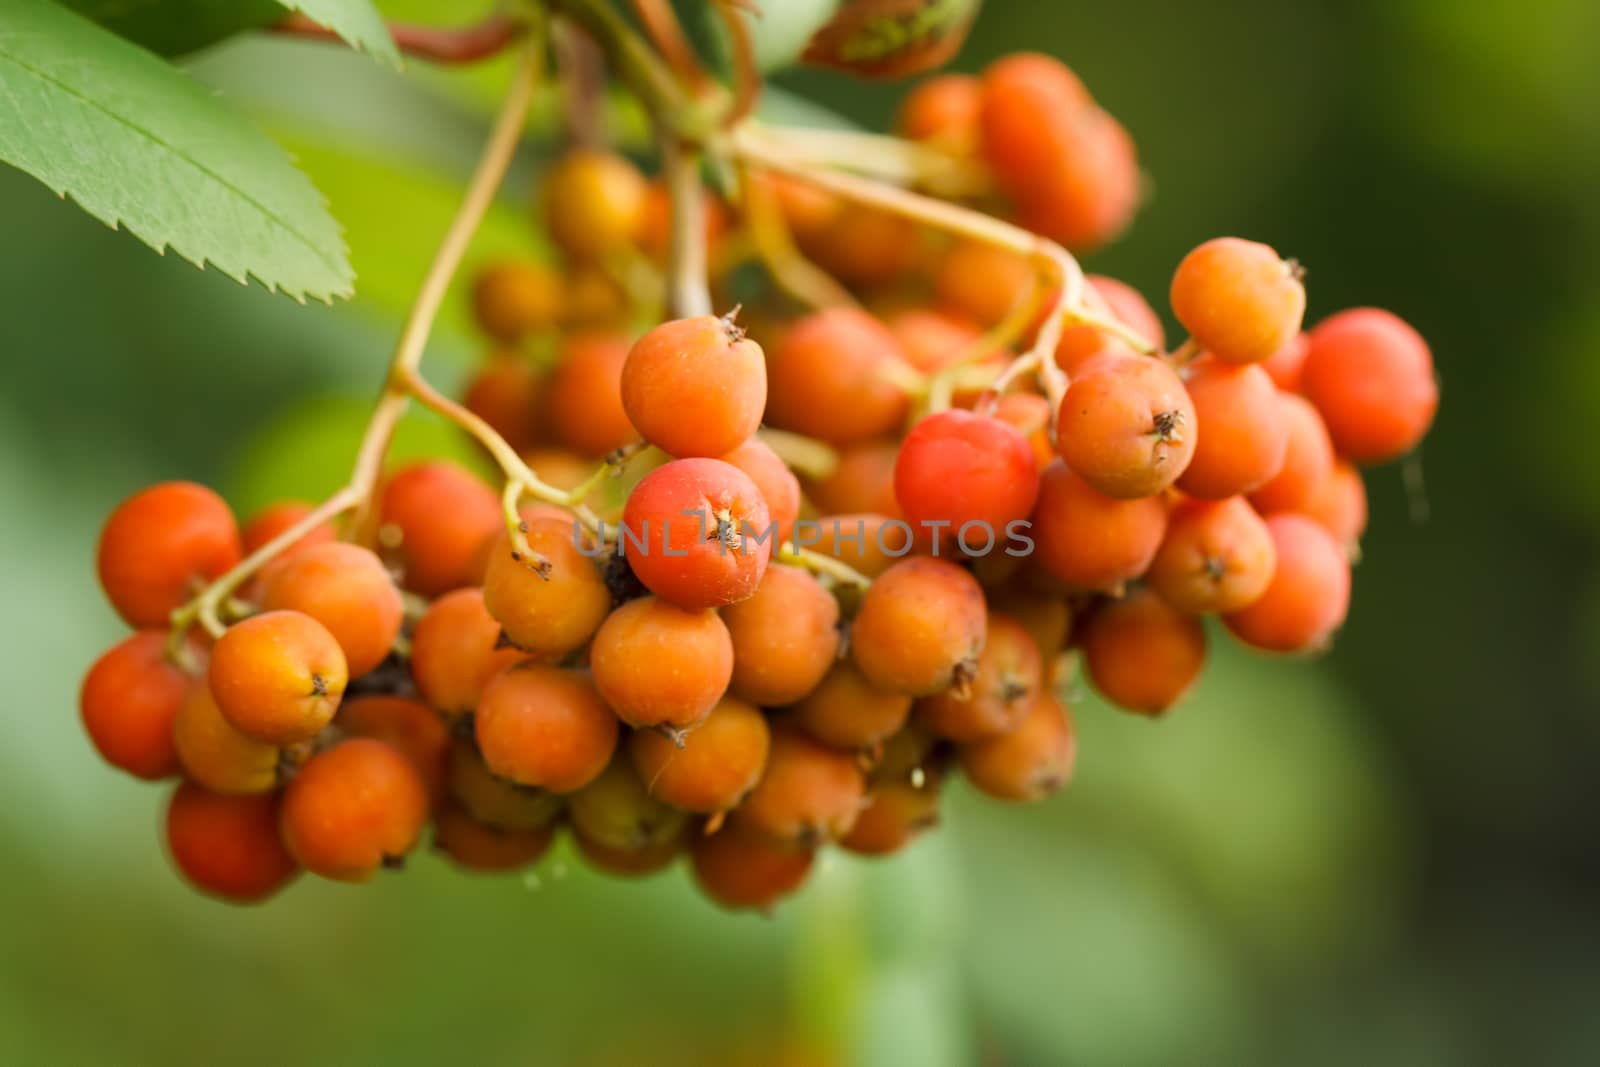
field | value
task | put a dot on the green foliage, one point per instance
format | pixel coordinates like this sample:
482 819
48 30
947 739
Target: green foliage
138 144
175 27
357 21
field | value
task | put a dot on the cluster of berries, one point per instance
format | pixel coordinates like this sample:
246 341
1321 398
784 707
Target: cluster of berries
728 655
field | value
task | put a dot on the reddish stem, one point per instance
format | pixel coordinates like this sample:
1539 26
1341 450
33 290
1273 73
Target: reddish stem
466 44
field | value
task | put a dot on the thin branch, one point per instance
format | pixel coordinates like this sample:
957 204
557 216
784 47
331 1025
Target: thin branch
437 44
747 71
688 291
661 25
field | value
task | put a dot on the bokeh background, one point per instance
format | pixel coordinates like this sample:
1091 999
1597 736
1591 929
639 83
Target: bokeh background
1386 856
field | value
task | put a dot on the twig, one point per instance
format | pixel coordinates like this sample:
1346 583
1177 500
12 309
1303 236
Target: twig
437 44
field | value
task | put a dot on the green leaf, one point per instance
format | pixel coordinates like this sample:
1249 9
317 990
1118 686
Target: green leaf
138 144
357 21
175 27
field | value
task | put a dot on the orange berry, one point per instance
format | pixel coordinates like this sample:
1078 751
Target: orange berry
848 712
217 755
892 816
1309 596
982 281
829 378
1022 94
129 700
274 519
584 401
507 392
867 543
552 604
1371 377
1217 557
943 110
1091 189
864 247
1243 430
455 651
278 676
161 546
1003 690
228 846
695 387
492 800
594 203
1127 427
513 298
353 808
346 588
1286 365
409 727
1089 540
1141 653
785 637
862 482
808 794
742 869
920 628
720 762
1307 460
1239 299
773 478
1029 763
659 665
1130 308
436 517
617 811
477 846
545 727
1339 503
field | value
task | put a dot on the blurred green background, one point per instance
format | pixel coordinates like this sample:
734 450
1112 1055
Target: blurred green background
1381 857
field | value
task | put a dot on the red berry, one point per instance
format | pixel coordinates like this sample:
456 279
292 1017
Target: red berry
477 846
436 517
161 546
892 816
129 700
513 298
410 728
970 473
1339 503
508 394
274 519
1371 377
228 846
697 533
943 110
743 869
